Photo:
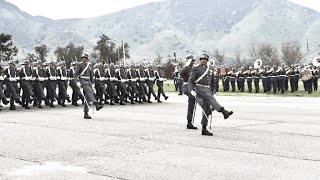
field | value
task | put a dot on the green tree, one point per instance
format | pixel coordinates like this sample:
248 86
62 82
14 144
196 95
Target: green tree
7 50
69 53
107 49
42 52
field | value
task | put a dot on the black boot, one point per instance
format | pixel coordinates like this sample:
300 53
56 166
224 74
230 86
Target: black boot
166 97
5 101
159 101
191 126
149 101
98 106
226 113
205 132
121 103
86 116
12 107
111 102
75 103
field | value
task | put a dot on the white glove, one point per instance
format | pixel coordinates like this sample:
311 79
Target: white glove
1 78
193 93
214 95
78 84
18 85
188 62
93 85
4 87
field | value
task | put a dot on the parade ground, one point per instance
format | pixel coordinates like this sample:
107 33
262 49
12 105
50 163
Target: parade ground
265 138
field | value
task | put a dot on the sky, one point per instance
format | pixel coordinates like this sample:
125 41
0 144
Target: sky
62 9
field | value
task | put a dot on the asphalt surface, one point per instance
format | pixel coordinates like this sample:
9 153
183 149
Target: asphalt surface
265 138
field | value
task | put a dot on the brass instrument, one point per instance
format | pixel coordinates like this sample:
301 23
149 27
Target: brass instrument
257 64
211 63
316 61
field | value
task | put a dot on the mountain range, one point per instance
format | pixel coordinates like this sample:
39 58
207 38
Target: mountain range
184 26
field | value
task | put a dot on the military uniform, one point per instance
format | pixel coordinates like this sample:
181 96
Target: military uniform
315 79
122 80
62 81
256 79
10 76
52 84
25 74
111 84
233 77
84 73
185 74
2 85
141 74
249 76
132 77
159 81
76 94
39 75
201 83
150 83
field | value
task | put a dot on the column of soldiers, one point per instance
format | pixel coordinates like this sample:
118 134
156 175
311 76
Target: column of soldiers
37 83
274 79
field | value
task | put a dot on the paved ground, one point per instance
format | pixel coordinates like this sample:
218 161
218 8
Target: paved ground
266 138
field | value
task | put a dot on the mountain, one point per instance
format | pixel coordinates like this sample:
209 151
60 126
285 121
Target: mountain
181 25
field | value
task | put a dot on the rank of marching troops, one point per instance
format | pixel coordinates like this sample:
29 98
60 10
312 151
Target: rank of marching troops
37 84
272 78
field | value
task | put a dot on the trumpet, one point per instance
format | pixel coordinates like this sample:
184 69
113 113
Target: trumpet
316 61
211 63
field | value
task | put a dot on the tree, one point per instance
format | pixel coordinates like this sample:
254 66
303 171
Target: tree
253 53
237 62
42 52
219 56
7 50
268 55
291 53
31 57
69 53
107 50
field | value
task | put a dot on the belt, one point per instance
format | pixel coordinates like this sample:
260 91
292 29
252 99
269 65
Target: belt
201 85
84 77
282 75
185 83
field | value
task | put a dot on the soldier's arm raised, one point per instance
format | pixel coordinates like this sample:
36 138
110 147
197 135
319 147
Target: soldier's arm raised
192 79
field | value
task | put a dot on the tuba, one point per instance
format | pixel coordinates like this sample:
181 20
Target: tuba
257 64
316 61
211 63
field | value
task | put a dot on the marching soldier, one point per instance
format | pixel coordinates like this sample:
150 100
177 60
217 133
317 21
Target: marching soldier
256 79
52 84
315 74
84 73
122 80
76 94
39 75
150 83
297 77
2 87
25 74
226 81
131 75
291 74
249 75
141 74
282 78
264 79
62 75
201 84
185 74
274 79
111 84
10 75
100 80
160 78
241 79
233 79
